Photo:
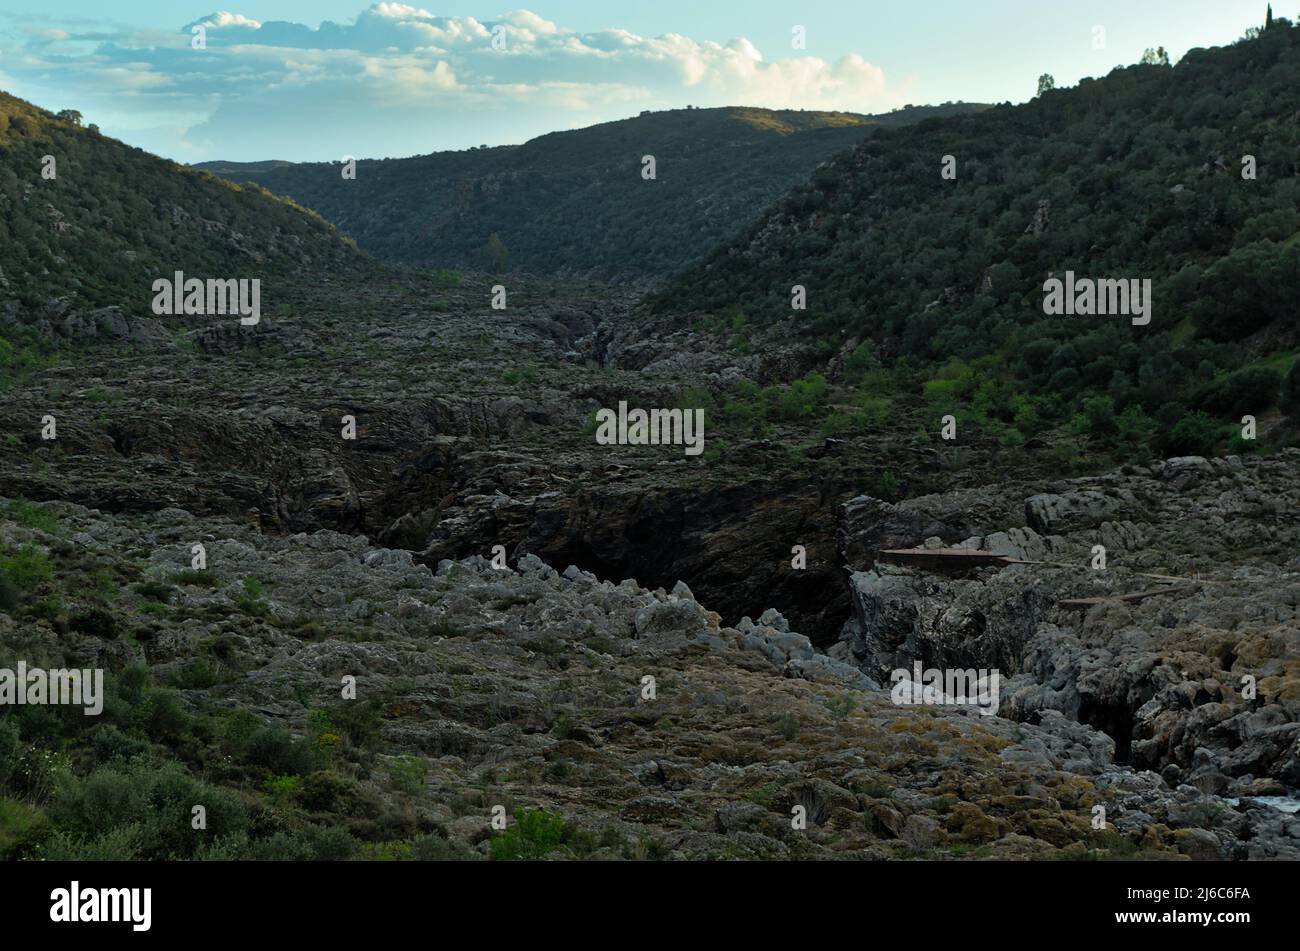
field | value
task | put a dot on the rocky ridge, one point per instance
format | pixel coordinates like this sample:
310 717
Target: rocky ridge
1165 676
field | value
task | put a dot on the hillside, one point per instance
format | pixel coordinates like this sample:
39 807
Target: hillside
112 219
934 288
575 201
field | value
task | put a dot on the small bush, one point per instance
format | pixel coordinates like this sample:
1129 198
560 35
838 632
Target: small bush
27 568
30 515
535 835
158 591
434 848
198 579
1195 435
95 622
274 749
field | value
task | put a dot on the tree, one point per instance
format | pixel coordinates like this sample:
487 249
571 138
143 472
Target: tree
1268 20
70 115
493 256
1046 82
1155 57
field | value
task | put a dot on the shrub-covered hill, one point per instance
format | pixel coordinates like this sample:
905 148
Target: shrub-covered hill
113 218
576 201
1136 175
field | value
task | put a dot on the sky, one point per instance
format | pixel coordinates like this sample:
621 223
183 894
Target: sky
324 79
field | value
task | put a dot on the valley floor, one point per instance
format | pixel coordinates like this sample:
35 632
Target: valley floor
350 675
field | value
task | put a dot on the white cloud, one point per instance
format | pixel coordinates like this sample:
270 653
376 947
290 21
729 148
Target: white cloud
395 56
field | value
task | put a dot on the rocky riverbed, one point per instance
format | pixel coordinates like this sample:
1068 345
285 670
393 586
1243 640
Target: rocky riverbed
685 713
1197 682
635 714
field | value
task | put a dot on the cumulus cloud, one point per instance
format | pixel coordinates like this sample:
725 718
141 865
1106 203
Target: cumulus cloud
394 58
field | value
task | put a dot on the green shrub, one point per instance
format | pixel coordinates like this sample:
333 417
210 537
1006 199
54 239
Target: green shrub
1134 427
328 791
408 773
534 835
27 568
158 591
110 743
396 851
1195 435
358 721
95 622
199 579
272 748
31 515
22 829
162 715
520 375
435 848
197 673
114 845
804 398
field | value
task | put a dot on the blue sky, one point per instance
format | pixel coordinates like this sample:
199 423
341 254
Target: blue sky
392 79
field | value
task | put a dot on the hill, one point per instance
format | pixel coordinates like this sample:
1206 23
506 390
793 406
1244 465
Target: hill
88 222
576 202
1185 176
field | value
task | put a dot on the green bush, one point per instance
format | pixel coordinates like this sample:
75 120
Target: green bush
408 773
153 798
27 568
534 835
31 515
435 848
199 579
1195 435
803 399
158 591
95 622
272 748
22 829
113 845
110 743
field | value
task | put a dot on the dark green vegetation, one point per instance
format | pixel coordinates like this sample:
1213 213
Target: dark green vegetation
122 785
576 201
115 218
933 288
